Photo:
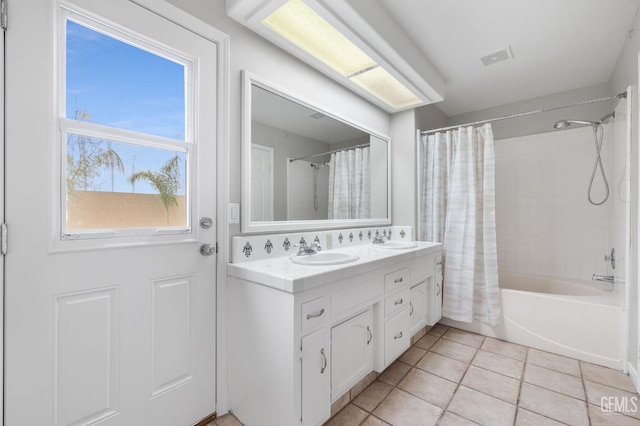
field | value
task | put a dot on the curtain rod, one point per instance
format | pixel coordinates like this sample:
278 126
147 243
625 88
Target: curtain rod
522 114
291 160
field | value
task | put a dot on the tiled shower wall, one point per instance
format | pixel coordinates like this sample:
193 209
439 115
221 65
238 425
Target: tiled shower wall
544 223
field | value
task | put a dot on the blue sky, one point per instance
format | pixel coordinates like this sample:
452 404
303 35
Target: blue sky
123 86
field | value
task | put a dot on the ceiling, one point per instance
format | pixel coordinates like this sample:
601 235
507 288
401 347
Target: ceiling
557 45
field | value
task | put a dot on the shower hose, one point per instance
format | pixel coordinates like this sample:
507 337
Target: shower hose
598 134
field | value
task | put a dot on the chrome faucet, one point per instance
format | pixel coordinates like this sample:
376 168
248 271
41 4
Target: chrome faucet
605 278
305 249
379 239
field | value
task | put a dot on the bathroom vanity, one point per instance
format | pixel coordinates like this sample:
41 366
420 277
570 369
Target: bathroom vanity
302 335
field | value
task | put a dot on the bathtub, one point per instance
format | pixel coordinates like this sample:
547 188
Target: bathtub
582 320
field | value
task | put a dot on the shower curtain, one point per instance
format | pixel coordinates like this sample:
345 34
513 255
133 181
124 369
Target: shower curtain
349 192
457 208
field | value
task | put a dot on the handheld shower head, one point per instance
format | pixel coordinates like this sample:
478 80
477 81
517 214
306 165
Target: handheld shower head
563 124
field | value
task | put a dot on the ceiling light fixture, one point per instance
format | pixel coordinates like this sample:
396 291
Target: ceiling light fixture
332 46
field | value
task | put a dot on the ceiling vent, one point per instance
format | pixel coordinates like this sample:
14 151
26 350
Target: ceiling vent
495 57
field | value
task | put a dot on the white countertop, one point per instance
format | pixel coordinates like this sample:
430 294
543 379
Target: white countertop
281 273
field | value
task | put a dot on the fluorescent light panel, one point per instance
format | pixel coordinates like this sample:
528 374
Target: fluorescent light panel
302 26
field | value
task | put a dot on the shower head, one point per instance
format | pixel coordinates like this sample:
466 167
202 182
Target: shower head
608 116
563 124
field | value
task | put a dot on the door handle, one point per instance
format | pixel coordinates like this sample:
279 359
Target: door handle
207 250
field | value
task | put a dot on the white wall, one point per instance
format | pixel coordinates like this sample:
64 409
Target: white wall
403 169
251 52
302 184
543 122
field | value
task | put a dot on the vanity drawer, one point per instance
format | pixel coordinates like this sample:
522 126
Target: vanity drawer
356 296
396 279
314 313
396 302
396 336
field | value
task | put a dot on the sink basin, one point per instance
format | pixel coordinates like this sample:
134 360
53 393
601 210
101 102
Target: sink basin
396 245
324 258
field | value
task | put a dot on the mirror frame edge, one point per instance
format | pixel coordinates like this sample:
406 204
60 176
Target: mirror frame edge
246 225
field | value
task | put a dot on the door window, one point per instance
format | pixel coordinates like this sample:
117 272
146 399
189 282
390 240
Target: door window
126 128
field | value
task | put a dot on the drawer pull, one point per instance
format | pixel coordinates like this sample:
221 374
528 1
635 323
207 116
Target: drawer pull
398 280
324 357
398 302
316 314
438 287
398 336
411 311
370 335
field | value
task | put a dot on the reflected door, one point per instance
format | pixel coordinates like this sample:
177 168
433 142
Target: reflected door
110 307
261 183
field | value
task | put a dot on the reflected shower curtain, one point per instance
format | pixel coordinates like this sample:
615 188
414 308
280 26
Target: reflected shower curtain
349 192
457 208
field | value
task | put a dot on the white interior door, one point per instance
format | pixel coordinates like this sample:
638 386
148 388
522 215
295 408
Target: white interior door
110 307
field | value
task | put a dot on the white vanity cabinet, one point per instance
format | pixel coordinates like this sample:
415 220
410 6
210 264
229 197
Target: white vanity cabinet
434 289
300 337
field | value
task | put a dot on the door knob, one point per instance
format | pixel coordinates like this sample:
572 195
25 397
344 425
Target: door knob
207 250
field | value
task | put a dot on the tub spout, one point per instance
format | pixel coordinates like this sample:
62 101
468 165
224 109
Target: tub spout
605 278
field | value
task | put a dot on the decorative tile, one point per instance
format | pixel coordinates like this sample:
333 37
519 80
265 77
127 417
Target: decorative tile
360 236
286 244
403 234
247 250
350 237
369 234
268 246
340 238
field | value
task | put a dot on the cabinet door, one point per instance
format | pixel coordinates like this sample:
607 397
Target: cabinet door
351 352
418 307
396 336
316 391
434 291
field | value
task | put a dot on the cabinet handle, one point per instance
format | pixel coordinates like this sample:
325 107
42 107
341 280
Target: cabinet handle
398 280
438 287
398 302
398 336
324 357
370 335
411 311
316 315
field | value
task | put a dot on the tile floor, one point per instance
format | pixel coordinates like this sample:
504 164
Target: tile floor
452 377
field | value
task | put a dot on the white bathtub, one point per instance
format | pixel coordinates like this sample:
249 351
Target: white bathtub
581 320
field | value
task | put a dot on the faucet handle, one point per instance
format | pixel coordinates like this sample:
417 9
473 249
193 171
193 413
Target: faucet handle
315 245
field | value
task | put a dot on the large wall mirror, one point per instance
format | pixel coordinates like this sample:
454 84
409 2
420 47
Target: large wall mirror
305 168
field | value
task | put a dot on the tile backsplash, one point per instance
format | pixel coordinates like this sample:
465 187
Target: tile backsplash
254 247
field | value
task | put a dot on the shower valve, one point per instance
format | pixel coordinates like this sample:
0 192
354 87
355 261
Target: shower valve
611 258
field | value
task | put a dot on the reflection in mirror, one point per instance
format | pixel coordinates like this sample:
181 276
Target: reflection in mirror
308 166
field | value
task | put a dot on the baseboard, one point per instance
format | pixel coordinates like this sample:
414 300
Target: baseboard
633 375
204 422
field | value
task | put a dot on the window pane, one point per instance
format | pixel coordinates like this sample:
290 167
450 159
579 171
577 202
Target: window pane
113 83
114 185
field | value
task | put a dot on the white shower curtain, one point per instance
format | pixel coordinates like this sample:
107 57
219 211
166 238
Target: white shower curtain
349 192
457 207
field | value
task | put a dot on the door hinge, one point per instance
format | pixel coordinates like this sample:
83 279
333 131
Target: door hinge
3 239
4 16
217 250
